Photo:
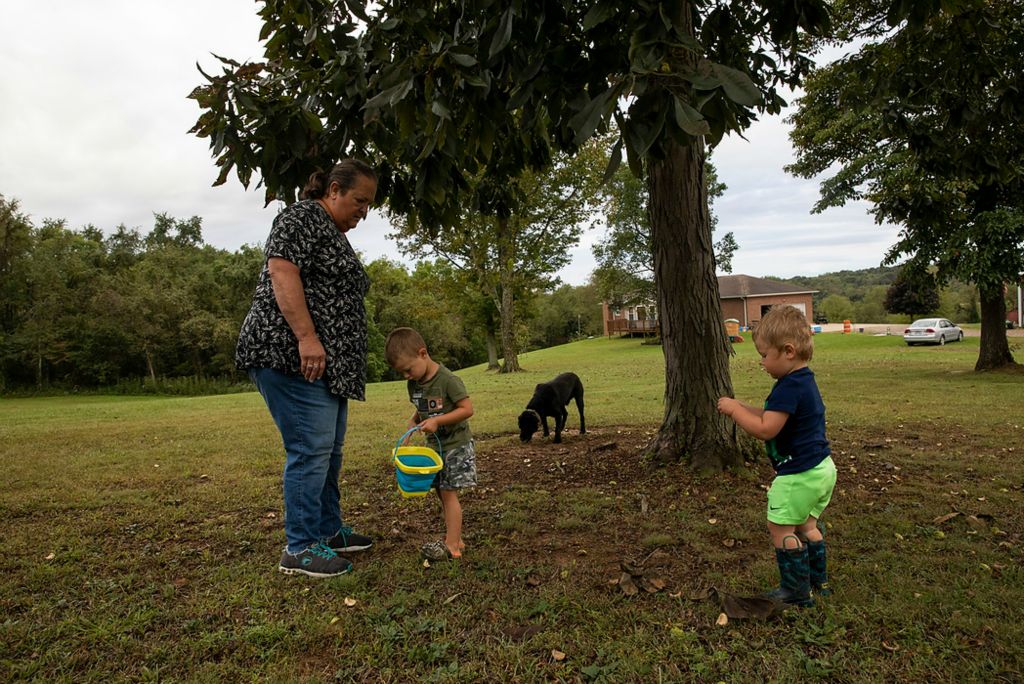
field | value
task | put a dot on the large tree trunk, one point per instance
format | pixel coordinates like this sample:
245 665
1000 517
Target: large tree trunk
692 333
492 349
149 365
506 301
510 355
995 348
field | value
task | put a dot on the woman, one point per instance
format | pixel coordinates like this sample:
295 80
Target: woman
304 345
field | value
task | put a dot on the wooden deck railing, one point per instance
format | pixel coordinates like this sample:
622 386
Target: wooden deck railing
621 326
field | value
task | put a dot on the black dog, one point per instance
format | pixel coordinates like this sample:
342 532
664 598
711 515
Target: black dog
550 399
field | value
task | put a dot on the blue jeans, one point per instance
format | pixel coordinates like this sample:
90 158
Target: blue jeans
312 422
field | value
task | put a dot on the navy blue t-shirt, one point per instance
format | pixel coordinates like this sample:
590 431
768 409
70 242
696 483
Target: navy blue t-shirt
801 443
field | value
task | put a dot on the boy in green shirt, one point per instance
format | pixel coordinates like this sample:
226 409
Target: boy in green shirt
443 408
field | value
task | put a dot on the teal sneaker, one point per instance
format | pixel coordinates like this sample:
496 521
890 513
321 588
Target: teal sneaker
347 541
316 561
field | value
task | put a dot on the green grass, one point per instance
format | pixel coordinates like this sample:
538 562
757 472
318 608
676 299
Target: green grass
141 536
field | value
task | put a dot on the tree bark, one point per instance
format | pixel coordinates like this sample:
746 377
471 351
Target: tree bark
506 300
692 333
492 349
149 365
994 349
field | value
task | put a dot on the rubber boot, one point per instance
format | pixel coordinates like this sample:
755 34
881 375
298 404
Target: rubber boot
816 563
794 573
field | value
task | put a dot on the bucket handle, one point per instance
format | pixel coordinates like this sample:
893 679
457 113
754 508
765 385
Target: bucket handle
414 429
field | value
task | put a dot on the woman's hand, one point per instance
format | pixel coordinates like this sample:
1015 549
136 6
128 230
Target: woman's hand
312 358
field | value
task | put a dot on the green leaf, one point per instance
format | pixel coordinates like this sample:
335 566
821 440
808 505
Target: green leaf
310 35
462 59
439 108
599 13
390 96
586 121
614 161
689 119
503 35
737 85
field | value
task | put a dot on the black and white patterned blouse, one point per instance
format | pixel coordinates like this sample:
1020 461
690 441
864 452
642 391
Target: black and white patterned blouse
335 284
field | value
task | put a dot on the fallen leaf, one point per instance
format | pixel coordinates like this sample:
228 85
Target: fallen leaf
51 556
722 620
532 581
557 655
752 607
712 521
892 648
451 598
627 585
521 632
630 568
335 620
975 522
349 601
271 515
702 594
426 563
728 543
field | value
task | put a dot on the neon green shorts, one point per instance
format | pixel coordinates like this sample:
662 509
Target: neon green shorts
794 498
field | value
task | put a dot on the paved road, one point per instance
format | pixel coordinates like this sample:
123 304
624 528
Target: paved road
896 329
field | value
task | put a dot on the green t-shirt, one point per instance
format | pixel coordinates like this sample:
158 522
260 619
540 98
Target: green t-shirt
438 396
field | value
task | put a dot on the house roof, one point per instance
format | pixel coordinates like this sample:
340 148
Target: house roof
738 286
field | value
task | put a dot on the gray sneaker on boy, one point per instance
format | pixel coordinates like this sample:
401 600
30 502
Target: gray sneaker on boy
316 561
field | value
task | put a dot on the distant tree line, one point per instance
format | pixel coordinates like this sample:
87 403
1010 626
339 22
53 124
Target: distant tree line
160 311
877 295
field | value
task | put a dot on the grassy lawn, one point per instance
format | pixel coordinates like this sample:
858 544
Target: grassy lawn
141 537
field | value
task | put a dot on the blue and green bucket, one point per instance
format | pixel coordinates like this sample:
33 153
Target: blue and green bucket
416 466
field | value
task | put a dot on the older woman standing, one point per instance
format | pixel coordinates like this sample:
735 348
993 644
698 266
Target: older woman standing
304 345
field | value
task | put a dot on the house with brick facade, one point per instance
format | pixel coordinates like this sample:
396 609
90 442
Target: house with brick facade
747 298
743 297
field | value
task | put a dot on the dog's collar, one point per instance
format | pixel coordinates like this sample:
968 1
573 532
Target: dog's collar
530 410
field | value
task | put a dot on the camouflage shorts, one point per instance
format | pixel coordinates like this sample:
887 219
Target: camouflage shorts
459 471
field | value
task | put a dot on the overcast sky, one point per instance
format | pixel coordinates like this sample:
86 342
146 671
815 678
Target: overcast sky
94 127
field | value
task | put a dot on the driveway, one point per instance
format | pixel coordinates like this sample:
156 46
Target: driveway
897 329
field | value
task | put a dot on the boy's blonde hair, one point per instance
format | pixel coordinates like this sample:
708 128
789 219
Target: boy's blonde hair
402 343
782 325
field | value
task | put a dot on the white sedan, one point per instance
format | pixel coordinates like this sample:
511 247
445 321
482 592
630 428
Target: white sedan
932 331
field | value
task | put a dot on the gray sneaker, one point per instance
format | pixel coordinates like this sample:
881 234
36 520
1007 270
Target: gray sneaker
347 541
316 561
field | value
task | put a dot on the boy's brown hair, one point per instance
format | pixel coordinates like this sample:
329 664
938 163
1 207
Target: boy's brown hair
402 343
782 325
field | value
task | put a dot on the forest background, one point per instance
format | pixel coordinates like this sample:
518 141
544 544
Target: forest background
132 312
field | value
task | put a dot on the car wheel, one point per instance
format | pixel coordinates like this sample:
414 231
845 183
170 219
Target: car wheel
942 340
960 337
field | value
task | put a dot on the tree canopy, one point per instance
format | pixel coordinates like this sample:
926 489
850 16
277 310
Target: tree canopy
444 94
925 120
